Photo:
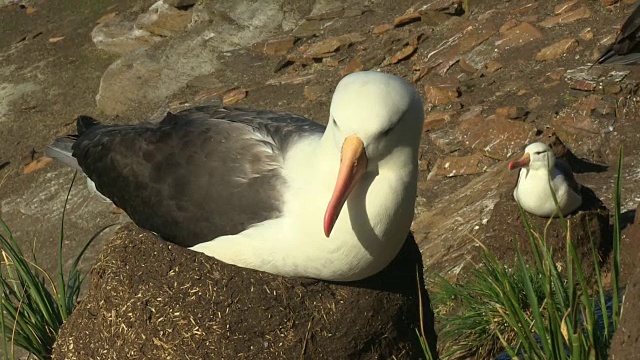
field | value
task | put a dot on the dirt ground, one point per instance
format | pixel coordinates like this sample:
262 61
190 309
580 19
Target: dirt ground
46 81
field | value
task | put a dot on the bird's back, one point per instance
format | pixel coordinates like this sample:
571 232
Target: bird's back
199 174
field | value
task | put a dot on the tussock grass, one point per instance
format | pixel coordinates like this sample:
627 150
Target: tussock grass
33 306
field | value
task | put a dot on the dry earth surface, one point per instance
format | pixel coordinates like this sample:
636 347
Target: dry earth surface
493 79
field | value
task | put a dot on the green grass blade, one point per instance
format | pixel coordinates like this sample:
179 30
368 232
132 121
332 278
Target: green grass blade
616 244
62 298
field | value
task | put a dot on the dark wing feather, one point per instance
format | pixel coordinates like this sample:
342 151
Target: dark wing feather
565 170
627 44
201 173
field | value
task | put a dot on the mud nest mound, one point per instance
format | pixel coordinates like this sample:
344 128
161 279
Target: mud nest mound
154 300
506 233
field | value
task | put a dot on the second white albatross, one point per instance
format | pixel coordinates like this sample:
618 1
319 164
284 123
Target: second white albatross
265 190
540 172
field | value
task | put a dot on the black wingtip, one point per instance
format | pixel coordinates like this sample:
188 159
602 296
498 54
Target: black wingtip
84 123
606 56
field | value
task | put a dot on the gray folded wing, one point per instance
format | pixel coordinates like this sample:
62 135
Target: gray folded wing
198 174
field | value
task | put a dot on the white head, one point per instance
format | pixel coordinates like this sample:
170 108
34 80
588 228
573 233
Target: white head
372 115
536 156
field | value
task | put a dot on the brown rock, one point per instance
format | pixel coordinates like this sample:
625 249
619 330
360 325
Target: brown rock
293 58
338 12
308 28
587 104
586 34
37 164
435 120
120 36
353 66
446 140
474 112
211 92
557 74
534 102
382 28
551 84
613 89
497 138
437 5
582 85
404 53
510 112
451 166
518 36
466 67
327 47
233 96
106 18
313 92
279 46
163 20
441 94
434 18
493 66
606 106
510 24
447 62
578 14
564 7
292 79
476 36
331 62
573 121
168 302
557 50
406 19
608 2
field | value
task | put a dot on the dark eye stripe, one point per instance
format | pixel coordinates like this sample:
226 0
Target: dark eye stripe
387 132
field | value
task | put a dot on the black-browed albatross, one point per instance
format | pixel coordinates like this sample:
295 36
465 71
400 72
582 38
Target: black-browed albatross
269 191
540 172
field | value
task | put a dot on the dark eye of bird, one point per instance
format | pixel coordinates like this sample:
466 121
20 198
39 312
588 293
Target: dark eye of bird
539 152
387 132
333 120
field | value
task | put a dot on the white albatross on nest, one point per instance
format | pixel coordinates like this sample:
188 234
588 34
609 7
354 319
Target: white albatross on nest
265 190
540 172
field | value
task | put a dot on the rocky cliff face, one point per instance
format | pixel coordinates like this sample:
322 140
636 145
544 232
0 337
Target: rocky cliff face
493 79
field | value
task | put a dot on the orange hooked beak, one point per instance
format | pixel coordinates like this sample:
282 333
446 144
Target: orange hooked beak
353 164
520 163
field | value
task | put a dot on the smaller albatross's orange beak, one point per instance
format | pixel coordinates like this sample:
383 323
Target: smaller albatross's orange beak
353 164
520 163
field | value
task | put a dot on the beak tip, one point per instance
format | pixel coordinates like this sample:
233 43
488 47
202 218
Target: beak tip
329 221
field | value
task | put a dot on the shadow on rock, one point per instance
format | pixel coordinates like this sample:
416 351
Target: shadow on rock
578 165
152 299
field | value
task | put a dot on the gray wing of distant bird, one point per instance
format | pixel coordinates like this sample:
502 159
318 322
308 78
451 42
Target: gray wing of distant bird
200 173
